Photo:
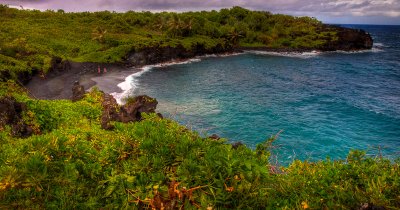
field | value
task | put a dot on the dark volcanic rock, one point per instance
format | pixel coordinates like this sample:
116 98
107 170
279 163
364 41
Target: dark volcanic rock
130 112
154 55
214 137
368 206
11 114
21 77
348 39
110 111
237 145
78 91
60 65
57 65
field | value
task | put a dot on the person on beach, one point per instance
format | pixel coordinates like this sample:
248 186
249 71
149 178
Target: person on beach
98 69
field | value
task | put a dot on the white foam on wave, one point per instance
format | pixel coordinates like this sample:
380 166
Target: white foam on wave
378 44
305 55
131 82
373 50
219 55
376 48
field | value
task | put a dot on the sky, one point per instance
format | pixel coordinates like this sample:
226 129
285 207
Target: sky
384 12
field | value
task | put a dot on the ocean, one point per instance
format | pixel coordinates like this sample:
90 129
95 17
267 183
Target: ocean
324 104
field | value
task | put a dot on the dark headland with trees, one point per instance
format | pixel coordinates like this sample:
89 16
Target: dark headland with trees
91 153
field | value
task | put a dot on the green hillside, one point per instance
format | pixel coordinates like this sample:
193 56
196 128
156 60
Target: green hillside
30 39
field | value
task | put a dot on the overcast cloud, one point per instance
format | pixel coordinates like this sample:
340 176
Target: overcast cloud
331 11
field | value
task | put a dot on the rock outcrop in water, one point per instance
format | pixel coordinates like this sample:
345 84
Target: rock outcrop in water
348 40
130 112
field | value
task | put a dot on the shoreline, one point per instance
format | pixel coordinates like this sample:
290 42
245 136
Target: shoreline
58 84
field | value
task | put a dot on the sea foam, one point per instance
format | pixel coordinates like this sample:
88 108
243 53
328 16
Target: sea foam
304 55
131 82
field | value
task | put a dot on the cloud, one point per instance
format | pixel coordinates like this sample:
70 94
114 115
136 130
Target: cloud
315 8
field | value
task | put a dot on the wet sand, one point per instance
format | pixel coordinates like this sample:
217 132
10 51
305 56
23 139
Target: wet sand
58 84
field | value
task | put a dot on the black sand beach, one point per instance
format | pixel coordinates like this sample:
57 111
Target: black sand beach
58 84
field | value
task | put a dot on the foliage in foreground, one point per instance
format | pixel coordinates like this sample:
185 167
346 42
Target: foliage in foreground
73 164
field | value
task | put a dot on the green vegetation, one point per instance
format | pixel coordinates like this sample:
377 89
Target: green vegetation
71 163
30 39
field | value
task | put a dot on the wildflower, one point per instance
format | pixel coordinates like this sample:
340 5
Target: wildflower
304 205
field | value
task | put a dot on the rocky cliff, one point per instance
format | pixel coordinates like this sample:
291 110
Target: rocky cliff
348 39
155 55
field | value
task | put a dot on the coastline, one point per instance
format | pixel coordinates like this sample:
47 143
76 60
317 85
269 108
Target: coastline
58 84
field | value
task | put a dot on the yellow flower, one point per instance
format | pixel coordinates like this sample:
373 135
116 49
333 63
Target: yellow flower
304 205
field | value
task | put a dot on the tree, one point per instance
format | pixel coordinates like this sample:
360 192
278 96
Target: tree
234 37
99 34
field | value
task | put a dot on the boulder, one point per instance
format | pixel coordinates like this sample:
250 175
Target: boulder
348 39
78 91
237 145
130 112
11 114
369 206
214 137
110 111
60 65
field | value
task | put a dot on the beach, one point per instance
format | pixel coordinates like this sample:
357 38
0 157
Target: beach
58 84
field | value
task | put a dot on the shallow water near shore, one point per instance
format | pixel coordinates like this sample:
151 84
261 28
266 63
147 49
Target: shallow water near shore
325 103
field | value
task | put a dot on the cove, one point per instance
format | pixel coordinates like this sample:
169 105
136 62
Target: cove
326 104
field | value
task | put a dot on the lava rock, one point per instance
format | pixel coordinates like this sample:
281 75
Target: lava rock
59 65
130 112
158 54
78 91
237 145
214 137
348 39
11 114
369 206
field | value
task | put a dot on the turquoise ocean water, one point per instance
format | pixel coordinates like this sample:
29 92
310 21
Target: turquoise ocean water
325 103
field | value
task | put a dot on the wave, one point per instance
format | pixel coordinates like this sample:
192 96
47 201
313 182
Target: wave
376 48
131 82
305 55
372 50
220 55
379 45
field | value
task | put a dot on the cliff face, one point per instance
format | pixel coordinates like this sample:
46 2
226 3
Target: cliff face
348 40
162 54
